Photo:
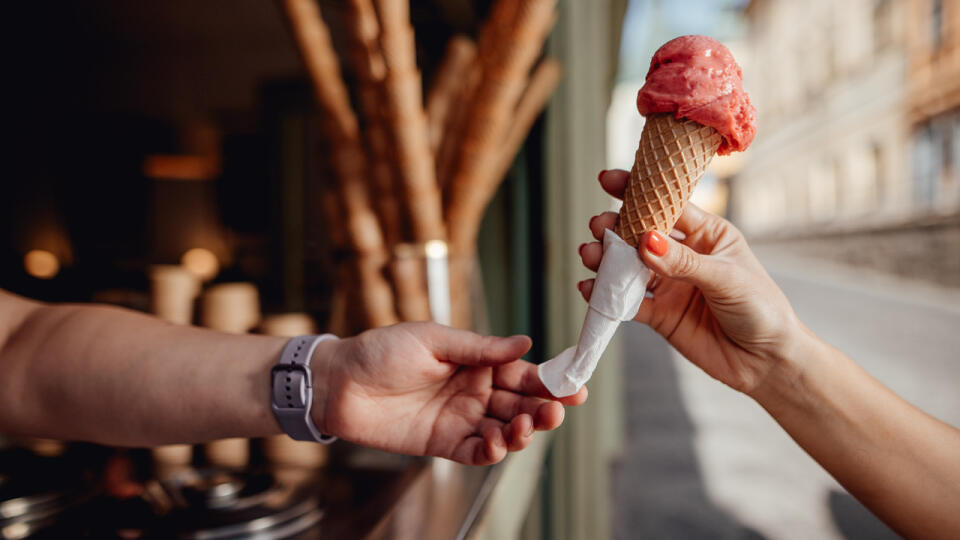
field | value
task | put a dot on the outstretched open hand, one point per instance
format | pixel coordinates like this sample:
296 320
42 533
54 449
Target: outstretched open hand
712 299
427 389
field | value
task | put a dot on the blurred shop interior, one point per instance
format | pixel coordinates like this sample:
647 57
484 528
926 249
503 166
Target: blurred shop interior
175 158
187 159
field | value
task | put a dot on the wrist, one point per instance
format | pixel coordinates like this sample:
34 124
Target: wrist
322 364
791 365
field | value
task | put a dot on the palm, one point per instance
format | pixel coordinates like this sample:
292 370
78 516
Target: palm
427 407
699 328
398 394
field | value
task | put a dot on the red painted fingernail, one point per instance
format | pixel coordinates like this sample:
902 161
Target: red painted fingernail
580 249
590 223
656 244
580 285
600 176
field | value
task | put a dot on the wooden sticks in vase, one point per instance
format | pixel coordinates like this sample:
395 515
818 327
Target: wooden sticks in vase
363 229
510 44
410 174
364 31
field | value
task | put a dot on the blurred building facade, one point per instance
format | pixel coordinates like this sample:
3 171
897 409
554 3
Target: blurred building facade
859 135
933 38
827 79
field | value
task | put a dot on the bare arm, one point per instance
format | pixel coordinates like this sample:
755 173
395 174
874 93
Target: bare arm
112 376
898 461
716 304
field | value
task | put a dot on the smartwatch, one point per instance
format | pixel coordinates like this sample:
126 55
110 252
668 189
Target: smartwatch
292 389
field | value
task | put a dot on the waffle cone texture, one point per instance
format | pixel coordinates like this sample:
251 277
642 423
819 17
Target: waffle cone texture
672 156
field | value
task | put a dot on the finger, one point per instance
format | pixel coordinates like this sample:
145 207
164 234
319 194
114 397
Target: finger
507 405
669 258
577 399
586 288
470 451
645 313
614 182
692 218
701 229
485 447
590 255
521 377
470 349
519 433
494 443
600 223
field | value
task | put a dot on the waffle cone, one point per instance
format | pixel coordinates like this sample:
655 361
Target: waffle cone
672 156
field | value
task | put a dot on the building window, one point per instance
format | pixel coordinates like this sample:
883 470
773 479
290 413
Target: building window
936 24
839 184
936 163
797 199
860 186
955 128
946 150
823 192
926 170
879 173
949 187
830 53
882 21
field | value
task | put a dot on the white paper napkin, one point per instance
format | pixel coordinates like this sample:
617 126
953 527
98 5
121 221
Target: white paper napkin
619 289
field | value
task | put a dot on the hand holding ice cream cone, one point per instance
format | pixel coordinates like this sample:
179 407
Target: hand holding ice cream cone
695 106
711 298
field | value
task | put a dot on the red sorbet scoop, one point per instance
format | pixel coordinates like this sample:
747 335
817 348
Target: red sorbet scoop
696 77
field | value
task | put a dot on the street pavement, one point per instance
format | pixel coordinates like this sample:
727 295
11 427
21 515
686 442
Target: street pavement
702 461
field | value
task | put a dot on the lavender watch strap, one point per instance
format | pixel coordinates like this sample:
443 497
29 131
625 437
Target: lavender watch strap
292 384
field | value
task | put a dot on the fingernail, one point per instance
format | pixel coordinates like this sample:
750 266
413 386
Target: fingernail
580 249
656 244
600 176
580 285
590 223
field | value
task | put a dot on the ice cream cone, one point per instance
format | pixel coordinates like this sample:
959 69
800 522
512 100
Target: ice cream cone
671 158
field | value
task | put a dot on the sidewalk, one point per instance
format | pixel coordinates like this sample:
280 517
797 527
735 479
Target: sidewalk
702 461
658 484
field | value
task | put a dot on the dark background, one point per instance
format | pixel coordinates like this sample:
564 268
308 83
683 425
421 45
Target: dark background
94 88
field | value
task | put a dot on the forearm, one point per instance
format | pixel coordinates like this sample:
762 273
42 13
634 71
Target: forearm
116 377
900 462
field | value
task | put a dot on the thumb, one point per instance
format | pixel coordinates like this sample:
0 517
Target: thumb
669 258
469 349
